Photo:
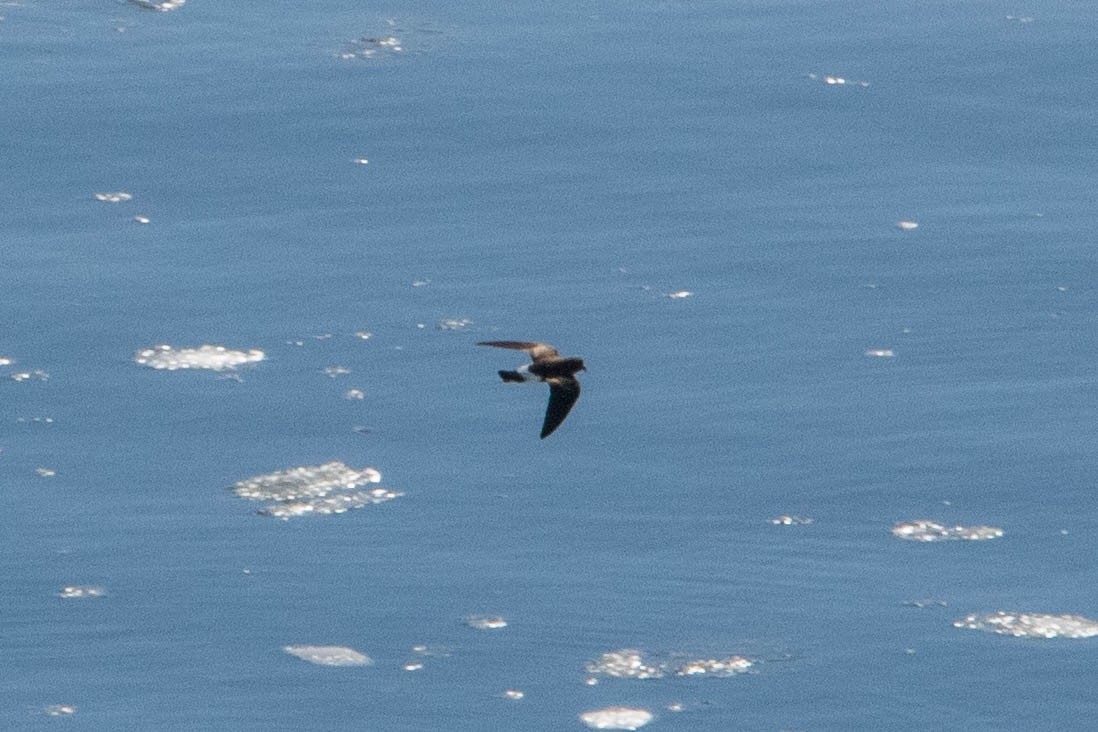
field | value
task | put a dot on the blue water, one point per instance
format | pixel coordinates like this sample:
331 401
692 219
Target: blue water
549 173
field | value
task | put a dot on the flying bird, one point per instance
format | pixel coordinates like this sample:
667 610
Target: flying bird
548 367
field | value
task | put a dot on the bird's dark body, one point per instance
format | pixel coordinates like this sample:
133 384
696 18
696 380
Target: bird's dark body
556 367
548 367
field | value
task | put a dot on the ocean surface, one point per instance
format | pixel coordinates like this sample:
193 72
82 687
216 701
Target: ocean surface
832 266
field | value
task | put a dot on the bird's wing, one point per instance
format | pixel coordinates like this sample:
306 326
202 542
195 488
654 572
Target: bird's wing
537 351
563 393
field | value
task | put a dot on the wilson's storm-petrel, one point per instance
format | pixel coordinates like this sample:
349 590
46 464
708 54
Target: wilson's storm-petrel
548 367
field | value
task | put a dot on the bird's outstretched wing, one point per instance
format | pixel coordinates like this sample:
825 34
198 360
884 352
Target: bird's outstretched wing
563 393
537 351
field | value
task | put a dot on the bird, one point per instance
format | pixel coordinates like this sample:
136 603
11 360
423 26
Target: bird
548 367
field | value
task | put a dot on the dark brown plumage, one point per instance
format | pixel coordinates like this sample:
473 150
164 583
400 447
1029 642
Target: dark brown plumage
549 367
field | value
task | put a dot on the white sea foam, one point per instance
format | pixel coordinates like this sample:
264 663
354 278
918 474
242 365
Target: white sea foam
923 530
329 655
35 375
616 718
306 481
836 80
328 505
907 225
59 710
214 358
715 667
317 490
81 592
421 655
371 47
485 622
115 196
629 663
162 6
791 521
1030 625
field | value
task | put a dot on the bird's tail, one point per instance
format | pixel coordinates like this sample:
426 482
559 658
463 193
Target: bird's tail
511 376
